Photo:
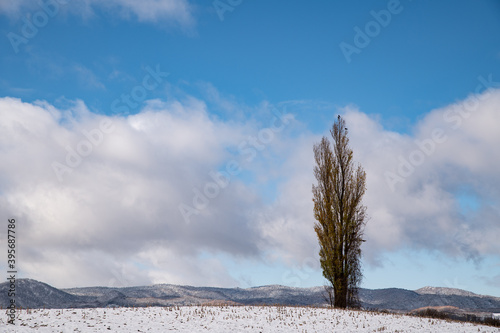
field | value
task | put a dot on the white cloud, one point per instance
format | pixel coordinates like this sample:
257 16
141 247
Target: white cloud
287 224
176 12
179 11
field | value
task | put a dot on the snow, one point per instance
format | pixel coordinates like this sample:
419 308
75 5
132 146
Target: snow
226 319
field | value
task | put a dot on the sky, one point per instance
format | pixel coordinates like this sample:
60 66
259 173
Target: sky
170 141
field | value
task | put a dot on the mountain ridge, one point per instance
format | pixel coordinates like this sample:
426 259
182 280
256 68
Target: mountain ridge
34 294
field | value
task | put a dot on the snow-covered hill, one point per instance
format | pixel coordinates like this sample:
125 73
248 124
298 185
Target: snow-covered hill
34 294
446 291
229 319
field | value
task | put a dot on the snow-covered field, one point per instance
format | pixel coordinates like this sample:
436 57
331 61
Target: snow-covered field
226 319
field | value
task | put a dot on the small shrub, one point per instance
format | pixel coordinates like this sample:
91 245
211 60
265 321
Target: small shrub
431 313
492 322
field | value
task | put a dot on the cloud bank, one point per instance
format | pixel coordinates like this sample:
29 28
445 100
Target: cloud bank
95 194
97 197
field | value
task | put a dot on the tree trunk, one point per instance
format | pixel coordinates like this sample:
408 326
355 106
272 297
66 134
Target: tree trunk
340 291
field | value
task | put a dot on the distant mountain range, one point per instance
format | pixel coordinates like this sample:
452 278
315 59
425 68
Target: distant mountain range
35 294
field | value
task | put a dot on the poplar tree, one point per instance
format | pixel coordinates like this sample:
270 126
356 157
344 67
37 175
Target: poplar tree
340 214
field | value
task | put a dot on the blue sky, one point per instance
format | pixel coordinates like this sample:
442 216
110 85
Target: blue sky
112 215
